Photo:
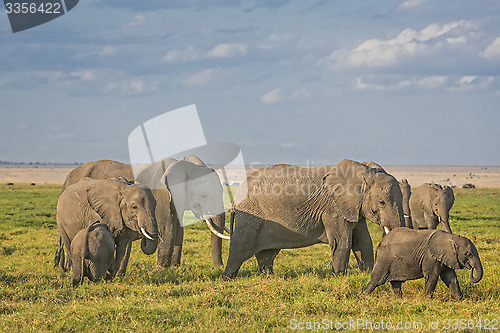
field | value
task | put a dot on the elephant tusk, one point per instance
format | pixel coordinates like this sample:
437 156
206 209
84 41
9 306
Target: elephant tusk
212 229
407 216
159 237
227 230
386 230
146 234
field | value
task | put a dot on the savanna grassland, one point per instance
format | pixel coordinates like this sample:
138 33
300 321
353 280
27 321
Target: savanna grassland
34 296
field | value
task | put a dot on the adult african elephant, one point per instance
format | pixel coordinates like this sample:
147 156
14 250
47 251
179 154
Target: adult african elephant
285 206
126 208
431 204
199 190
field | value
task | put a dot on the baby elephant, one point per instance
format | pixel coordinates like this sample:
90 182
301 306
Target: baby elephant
92 253
406 254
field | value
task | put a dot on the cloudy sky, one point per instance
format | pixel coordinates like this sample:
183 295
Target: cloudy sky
412 82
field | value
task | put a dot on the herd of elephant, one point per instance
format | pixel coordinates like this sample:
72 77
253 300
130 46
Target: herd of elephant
101 211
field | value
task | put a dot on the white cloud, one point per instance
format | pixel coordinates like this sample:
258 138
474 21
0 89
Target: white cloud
192 54
273 97
432 82
137 21
444 83
107 50
201 78
410 4
362 84
471 82
178 56
227 50
273 41
407 45
276 96
492 51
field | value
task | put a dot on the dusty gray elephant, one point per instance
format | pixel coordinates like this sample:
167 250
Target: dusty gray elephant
406 254
92 252
431 204
203 191
126 208
405 190
285 206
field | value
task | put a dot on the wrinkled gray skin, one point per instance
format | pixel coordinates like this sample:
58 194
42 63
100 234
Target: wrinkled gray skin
285 206
126 208
199 194
431 204
405 190
406 254
92 252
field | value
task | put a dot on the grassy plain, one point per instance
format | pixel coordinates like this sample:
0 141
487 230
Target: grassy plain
193 298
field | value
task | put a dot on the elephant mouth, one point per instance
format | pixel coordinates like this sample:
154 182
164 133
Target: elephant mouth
151 237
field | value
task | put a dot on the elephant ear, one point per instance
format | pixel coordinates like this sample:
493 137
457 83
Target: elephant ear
450 197
175 178
374 165
104 198
346 183
444 248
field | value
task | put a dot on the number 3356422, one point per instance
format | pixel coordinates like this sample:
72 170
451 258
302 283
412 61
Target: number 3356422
33 8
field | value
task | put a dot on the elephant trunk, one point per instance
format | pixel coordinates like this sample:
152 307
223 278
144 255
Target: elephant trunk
478 267
149 231
445 218
218 222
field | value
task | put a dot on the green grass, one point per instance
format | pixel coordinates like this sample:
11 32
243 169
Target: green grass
36 297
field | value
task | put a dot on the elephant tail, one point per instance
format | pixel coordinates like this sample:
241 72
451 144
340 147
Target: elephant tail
79 261
59 258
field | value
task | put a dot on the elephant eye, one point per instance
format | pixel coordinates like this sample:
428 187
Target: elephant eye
134 206
382 203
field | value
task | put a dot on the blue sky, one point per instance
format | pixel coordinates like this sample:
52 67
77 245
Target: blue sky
398 82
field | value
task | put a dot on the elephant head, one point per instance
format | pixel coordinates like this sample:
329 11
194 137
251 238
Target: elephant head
122 204
196 188
358 189
456 252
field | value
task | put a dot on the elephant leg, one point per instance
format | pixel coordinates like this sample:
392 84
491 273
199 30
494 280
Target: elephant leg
378 277
165 249
431 280
216 242
120 254
265 260
123 265
362 246
449 278
396 288
339 234
243 243
177 253
67 244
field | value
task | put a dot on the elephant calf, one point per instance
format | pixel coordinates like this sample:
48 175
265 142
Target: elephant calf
92 252
406 254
